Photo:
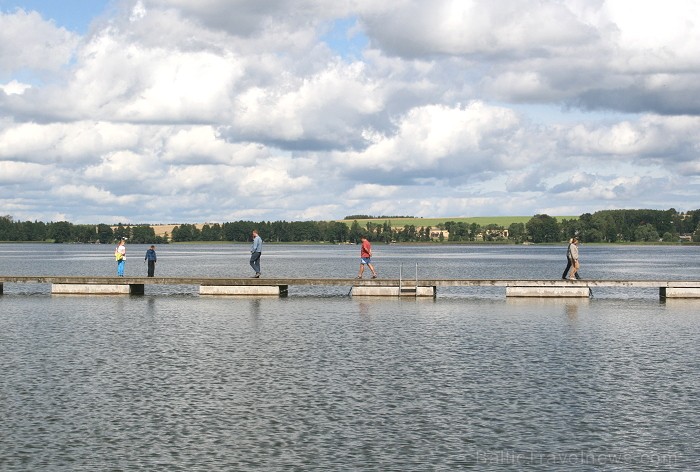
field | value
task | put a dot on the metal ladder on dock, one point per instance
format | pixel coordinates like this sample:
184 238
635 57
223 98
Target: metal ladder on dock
407 290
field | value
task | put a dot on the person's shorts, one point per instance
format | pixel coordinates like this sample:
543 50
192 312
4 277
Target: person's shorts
364 260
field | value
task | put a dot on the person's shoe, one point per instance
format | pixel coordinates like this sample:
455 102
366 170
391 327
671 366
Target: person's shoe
358 277
374 276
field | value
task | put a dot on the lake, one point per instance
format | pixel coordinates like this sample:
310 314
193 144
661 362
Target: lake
320 380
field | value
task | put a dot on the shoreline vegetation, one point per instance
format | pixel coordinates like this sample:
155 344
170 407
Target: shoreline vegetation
607 226
414 243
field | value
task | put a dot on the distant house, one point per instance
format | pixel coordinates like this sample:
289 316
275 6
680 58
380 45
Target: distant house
435 234
163 230
491 234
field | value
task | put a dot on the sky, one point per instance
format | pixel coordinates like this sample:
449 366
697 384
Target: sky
184 111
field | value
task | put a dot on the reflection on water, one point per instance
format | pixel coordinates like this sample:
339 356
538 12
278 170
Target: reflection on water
173 381
571 311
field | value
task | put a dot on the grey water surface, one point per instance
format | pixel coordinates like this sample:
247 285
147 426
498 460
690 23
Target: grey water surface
324 381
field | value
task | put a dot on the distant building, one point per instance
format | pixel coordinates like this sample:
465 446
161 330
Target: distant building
491 234
436 233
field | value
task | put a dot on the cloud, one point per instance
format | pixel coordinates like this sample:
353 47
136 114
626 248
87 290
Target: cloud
14 88
63 142
650 140
27 41
19 173
439 142
81 193
526 181
180 111
130 83
205 145
324 110
476 28
575 183
243 18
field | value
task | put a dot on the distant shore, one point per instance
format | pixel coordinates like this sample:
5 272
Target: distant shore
503 221
410 243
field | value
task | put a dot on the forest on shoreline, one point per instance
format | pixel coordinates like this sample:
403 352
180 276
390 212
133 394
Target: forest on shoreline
606 226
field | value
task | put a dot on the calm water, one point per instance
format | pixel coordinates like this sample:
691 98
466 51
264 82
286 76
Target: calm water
322 381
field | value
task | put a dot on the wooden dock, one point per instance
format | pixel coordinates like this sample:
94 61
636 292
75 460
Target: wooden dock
92 285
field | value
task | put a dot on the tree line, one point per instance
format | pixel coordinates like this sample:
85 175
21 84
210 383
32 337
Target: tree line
66 232
619 226
602 226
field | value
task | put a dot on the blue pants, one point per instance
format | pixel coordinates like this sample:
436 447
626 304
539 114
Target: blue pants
120 268
255 261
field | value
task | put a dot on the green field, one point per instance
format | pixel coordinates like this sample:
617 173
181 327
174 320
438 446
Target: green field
503 221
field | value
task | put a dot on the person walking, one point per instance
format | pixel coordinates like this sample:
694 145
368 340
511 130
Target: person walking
568 261
120 256
366 258
255 253
573 251
151 258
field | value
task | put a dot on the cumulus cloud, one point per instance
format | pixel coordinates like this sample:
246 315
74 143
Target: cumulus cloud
19 173
325 109
620 190
28 41
651 139
477 28
243 18
14 88
181 111
205 145
440 142
63 142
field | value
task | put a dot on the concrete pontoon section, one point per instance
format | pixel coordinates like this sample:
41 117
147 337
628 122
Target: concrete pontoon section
97 289
679 292
257 290
365 291
548 292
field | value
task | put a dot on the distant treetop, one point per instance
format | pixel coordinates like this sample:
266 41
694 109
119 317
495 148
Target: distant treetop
370 217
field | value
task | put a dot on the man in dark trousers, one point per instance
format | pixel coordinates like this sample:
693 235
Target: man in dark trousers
569 261
151 259
255 253
573 253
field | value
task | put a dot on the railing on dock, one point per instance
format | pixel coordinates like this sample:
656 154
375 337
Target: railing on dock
407 290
